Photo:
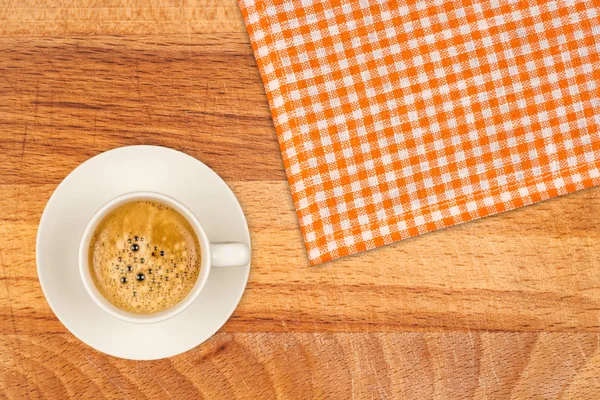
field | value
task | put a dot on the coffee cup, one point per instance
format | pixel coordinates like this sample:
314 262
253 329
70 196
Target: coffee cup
216 255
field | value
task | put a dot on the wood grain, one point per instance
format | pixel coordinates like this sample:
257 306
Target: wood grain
503 307
65 100
315 365
118 17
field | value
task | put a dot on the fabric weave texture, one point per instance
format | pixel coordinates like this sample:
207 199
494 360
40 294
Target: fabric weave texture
397 118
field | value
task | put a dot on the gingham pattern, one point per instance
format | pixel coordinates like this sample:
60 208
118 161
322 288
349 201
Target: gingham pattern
398 118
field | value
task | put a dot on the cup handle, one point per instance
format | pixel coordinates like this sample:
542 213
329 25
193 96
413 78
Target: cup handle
230 254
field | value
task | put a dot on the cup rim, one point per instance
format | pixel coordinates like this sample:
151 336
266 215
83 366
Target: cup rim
106 305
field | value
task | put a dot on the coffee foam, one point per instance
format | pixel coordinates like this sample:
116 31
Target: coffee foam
144 257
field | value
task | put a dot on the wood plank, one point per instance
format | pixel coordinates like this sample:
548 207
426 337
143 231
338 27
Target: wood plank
65 100
314 365
533 269
118 17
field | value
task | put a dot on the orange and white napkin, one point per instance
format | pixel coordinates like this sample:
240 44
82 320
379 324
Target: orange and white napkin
396 118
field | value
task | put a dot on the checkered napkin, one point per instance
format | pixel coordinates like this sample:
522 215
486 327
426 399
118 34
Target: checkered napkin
397 118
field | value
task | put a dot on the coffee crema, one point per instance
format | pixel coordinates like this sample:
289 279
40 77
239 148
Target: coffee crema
144 257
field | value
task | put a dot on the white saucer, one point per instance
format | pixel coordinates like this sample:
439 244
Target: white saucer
82 193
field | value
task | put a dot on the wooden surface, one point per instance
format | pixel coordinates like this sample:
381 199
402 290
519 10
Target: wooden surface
504 307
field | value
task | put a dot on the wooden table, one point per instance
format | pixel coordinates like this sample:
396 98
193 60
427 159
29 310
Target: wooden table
508 306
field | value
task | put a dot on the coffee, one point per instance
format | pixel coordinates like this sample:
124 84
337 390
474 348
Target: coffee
144 257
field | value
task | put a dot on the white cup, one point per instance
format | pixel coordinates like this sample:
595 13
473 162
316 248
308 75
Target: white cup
212 255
